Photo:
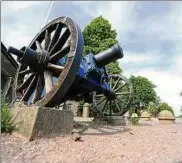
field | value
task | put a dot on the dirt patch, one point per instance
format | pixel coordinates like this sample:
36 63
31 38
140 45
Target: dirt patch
149 142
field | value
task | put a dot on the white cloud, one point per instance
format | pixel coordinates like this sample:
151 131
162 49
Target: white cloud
16 6
119 13
23 27
168 84
17 37
138 58
177 66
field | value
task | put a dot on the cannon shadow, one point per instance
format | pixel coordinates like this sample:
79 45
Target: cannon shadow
92 129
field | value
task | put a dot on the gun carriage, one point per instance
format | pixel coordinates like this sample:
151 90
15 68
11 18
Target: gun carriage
53 70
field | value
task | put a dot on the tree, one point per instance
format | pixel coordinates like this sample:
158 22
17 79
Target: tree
165 106
143 91
99 36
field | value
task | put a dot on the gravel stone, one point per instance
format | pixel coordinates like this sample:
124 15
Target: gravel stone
149 142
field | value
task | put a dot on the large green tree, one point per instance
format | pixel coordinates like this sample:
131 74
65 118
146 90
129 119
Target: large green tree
144 92
99 36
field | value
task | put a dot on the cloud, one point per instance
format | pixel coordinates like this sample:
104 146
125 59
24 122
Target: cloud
119 13
138 58
168 84
23 22
16 6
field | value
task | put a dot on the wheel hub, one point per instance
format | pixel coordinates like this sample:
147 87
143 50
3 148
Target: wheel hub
36 60
42 61
112 95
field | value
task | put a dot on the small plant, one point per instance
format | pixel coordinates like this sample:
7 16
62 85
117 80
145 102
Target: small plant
134 119
6 117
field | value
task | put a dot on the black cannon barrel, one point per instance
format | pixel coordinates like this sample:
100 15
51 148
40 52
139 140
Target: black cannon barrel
109 55
15 51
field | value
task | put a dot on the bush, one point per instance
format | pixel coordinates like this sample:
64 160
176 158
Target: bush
6 117
134 119
165 106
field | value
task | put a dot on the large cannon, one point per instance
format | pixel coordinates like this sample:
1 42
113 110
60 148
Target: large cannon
52 70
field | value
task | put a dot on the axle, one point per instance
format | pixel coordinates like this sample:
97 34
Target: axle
36 60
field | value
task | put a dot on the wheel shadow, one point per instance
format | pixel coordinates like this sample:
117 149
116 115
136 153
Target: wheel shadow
91 129
145 124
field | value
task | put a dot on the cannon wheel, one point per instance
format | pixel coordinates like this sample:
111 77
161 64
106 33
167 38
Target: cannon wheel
61 38
118 105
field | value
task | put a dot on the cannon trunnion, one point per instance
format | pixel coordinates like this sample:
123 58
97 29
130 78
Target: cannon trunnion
52 71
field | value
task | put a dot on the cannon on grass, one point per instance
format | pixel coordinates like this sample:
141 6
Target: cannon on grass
53 70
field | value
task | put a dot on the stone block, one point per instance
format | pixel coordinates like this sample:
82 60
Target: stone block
38 122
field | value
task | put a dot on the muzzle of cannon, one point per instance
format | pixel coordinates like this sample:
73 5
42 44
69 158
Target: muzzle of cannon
52 71
109 55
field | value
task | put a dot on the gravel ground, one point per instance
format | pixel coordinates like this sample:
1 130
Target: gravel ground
146 143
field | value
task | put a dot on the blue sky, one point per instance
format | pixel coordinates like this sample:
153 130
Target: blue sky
150 34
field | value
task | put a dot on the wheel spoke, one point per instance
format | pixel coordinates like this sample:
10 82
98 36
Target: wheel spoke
25 83
55 67
47 39
104 106
120 87
101 101
117 105
24 72
116 83
110 108
30 89
55 37
123 93
38 89
48 81
122 101
60 54
38 45
23 67
99 95
111 82
60 43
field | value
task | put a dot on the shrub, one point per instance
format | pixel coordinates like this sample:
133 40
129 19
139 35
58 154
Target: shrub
6 117
135 119
165 106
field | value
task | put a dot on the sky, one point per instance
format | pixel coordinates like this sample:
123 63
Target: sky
150 34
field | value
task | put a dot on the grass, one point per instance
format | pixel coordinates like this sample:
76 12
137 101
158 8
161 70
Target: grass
6 117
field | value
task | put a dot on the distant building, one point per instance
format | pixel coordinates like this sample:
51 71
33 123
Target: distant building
8 71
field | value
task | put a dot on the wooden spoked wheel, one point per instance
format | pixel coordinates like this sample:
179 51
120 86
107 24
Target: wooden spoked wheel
119 102
60 41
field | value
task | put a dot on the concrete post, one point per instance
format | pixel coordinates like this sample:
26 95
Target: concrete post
85 112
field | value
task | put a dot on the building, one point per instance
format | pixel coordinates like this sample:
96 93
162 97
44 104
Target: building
8 71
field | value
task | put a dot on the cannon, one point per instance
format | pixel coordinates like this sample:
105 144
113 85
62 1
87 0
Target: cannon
52 70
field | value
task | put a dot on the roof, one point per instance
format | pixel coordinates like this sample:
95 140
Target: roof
8 63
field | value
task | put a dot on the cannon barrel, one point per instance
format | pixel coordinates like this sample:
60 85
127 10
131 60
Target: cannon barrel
109 55
15 51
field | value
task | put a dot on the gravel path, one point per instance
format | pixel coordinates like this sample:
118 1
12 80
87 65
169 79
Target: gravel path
147 143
